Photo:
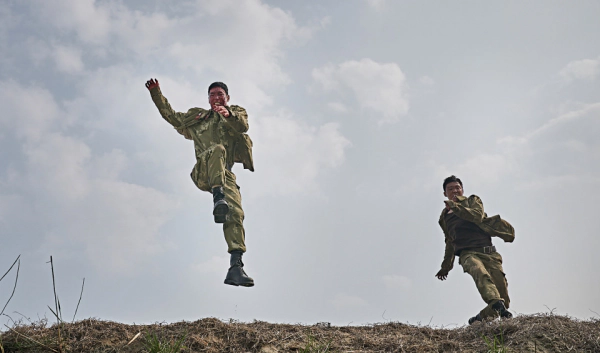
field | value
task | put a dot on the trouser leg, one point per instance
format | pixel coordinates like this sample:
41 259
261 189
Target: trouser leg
233 228
472 264
210 171
494 266
216 166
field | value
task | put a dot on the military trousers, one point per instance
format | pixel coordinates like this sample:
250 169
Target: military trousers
210 171
489 277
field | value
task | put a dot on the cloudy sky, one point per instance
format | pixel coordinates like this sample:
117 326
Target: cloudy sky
358 111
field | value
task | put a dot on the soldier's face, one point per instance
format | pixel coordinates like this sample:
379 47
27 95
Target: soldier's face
217 96
453 189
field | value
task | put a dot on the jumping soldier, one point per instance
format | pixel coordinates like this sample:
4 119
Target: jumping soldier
220 140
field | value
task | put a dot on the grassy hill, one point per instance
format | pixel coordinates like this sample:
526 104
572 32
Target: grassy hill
524 333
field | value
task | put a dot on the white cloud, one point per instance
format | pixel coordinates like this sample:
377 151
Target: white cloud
290 155
90 22
116 224
377 88
489 167
586 69
68 59
589 111
60 161
344 301
397 282
27 120
109 166
245 51
560 148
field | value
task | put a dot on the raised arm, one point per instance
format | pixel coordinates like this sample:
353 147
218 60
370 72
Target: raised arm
164 108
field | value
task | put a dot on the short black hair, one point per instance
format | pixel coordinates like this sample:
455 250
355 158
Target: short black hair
451 179
218 84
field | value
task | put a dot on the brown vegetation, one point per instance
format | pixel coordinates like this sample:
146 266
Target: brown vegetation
525 333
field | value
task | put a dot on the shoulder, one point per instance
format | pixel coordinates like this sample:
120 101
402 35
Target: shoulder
236 109
474 199
191 116
196 110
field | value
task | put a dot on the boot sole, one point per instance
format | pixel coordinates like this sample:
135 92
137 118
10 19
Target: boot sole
232 283
220 212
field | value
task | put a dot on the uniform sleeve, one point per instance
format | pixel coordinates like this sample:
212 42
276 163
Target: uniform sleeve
164 108
238 118
448 262
472 211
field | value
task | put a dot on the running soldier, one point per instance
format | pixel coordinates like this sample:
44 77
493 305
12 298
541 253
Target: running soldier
468 231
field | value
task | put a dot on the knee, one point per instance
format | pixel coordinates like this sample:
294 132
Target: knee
236 214
219 149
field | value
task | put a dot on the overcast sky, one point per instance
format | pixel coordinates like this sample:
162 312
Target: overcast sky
358 110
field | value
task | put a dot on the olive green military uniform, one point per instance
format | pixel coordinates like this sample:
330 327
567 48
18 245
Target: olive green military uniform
218 142
485 268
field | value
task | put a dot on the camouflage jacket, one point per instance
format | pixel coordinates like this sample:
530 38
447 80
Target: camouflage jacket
208 128
471 209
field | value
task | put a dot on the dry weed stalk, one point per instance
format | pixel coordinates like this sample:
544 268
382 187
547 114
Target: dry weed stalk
17 261
58 313
58 310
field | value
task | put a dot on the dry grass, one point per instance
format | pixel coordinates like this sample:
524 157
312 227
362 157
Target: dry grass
525 333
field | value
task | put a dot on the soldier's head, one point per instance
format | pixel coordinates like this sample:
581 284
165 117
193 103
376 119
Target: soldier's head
452 187
218 94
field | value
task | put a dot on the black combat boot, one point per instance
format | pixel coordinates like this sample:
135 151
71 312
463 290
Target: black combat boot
501 309
236 276
475 319
221 207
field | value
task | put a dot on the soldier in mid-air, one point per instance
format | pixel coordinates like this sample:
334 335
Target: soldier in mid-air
468 231
220 140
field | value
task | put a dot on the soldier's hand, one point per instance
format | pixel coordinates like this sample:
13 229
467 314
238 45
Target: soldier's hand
151 83
221 110
448 203
442 274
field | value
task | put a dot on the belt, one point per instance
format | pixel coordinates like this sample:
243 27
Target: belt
485 249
